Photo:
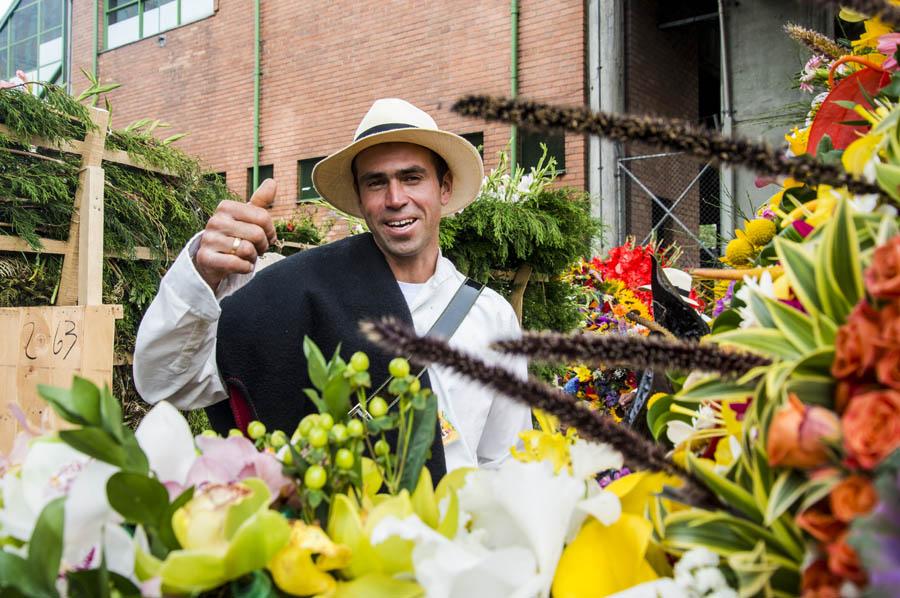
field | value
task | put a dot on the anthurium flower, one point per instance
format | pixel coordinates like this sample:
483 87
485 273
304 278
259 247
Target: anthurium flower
293 568
225 530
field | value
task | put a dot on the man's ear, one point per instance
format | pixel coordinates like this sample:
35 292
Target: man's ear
446 188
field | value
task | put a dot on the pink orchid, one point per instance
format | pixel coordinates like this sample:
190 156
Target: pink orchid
887 45
232 459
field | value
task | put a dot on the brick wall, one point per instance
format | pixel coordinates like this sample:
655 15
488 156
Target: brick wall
662 71
323 65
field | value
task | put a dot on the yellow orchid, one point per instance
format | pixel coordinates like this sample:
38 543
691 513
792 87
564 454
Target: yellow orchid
875 28
584 374
623 547
293 569
538 445
774 203
798 139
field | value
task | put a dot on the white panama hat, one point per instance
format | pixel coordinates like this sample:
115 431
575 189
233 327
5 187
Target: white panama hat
391 120
681 280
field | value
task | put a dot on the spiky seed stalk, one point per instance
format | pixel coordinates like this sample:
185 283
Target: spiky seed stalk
592 425
669 133
817 43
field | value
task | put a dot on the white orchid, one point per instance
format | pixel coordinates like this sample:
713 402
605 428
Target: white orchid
764 286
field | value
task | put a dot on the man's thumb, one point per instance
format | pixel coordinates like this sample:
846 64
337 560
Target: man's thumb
264 196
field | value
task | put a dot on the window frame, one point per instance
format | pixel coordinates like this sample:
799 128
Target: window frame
262 177
300 198
107 11
8 70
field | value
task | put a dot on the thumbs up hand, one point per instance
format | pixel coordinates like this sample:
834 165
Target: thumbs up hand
236 234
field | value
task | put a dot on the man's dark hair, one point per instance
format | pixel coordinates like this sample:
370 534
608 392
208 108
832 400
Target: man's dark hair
440 167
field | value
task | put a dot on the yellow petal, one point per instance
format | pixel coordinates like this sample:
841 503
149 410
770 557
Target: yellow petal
635 490
423 501
860 152
294 572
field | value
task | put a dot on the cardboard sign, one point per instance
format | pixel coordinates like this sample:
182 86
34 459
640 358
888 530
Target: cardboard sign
49 345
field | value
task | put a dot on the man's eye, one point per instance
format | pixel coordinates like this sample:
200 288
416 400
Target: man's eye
412 179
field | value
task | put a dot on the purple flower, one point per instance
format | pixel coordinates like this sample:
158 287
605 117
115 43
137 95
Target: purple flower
725 302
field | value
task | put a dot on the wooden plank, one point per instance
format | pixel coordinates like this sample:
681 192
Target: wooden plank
49 345
122 157
90 237
92 155
54 247
69 147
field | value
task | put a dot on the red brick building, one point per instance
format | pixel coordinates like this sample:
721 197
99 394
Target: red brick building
322 65
191 63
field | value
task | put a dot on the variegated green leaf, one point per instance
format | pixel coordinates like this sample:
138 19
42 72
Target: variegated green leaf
796 326
788 488
801 271
728 491
715 389
768 342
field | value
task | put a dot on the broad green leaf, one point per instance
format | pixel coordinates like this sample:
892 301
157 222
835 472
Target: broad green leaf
424 423
888 177
787 490
659 414
166 533
96 583
815 390
796 326
818 489
801 270
15 577
78 405
728 491
725 321
46 545
316 399
768 342
722 533
96 443
315 363
336 396
138 498
135 459
111 414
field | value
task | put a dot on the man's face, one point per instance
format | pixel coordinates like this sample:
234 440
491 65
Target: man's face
401 198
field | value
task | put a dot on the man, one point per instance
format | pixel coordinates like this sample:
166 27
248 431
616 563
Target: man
401 174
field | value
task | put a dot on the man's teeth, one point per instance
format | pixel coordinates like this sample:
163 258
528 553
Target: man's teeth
400 223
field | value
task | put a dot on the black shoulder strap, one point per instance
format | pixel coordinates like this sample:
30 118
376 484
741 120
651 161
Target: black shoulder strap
444 327
455 312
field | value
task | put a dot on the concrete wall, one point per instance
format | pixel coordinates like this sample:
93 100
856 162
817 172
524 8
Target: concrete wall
764 63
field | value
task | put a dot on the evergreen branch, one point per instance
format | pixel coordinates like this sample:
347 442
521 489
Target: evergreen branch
817 43
639 452
634 352
889 14
672 134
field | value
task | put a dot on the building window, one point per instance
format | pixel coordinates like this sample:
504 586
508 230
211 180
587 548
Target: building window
266 171
131 20
476 139
31 40
214 177
530 149
305 189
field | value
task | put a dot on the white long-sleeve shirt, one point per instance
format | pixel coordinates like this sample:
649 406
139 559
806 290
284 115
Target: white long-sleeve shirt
175 356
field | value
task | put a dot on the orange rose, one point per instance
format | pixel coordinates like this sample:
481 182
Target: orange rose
883 276
854 496
890 325
888 369
798 435
820 524
819 582
842 560
872 426
857 344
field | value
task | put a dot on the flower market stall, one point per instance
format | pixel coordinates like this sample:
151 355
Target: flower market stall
770 464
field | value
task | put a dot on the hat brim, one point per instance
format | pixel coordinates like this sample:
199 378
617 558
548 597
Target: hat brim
333 177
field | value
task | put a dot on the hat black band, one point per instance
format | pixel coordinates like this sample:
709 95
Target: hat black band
384 127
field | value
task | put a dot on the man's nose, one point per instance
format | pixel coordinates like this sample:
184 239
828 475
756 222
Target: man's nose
396 197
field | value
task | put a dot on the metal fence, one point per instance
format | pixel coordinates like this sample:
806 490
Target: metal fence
675 200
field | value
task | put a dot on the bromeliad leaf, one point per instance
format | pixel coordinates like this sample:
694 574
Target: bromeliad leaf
769 342
801 271
788 488
728 491
424 423
796 326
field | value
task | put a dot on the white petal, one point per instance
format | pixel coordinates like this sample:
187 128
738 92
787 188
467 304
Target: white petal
590 458
87 512
651 589
119 549
165 437
605 507
678 431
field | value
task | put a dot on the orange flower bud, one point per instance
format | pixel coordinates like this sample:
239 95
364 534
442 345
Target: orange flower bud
798 435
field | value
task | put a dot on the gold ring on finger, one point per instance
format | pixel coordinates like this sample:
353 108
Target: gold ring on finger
235 244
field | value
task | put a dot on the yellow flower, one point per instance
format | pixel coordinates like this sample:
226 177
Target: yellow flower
293 569
583 373
798 139
622 547
759 231
875 28
739 252
543 446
